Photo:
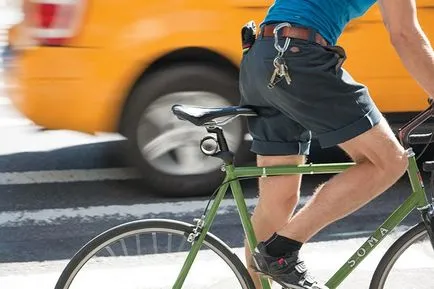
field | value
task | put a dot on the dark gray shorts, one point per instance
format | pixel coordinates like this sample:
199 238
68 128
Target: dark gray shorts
322 98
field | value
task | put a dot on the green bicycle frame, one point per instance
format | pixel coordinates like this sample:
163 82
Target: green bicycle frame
416 200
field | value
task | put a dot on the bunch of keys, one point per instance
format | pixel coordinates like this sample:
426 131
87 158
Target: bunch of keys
280 67
280 72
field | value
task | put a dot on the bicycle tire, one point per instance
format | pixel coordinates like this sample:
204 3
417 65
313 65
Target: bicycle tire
394 252
98 242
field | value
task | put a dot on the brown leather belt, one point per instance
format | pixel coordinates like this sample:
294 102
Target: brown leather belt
294 32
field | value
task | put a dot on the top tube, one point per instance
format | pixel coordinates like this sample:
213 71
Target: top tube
329 168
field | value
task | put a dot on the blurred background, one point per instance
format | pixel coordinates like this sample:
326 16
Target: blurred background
87 138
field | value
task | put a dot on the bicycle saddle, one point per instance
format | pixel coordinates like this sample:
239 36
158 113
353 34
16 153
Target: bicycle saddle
202 115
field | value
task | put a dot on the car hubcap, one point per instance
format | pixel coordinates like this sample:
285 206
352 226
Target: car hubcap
172 145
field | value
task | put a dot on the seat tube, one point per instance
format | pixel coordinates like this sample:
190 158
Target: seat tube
240 202
237 192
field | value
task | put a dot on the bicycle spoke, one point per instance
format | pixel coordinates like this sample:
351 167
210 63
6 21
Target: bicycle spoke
181 246
154 239
169 243
124 248
138 244
110 251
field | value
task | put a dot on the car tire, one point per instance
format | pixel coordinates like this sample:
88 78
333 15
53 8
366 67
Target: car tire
186 84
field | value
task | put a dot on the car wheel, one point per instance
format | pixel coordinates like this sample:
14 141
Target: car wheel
166 149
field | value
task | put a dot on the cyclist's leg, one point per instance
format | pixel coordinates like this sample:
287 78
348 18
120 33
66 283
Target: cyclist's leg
277 140
381 161
281 194
323 98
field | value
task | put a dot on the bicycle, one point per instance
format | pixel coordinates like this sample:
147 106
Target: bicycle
144 234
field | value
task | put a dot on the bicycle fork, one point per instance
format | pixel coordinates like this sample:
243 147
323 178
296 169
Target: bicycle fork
427 214
428 219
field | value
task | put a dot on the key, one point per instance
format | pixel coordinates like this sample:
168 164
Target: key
287 78
283 70
273 81
286 75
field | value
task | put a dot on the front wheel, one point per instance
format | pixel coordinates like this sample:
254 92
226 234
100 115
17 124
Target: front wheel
149 254
408 264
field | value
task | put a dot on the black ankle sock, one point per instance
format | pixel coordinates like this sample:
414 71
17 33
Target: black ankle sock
278 246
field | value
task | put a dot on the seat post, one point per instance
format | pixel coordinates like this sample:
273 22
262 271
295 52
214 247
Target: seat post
225 154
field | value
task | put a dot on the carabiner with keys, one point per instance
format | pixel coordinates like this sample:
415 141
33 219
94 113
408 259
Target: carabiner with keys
280 67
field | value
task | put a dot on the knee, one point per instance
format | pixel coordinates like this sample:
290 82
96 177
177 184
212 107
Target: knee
393 163
398 163
379 147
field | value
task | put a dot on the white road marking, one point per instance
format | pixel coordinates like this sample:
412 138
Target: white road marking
89 214
67 176
32 139
14 122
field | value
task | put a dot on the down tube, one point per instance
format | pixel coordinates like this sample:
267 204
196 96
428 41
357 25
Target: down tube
373 241
198 243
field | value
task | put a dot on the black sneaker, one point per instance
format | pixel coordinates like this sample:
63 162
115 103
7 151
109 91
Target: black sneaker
289 271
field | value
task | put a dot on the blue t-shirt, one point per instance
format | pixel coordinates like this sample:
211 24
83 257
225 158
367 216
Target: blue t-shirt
328 17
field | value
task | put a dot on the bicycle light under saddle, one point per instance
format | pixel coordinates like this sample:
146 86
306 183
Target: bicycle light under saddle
209 145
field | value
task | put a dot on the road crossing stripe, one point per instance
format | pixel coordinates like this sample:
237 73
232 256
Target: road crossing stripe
67 176
89 214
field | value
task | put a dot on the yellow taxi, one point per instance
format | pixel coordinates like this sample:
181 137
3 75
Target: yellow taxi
118 66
